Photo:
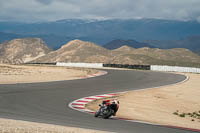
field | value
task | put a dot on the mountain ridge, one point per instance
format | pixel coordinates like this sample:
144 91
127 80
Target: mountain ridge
80 51
20 51
114 44
77 51
190 42
103 31
57 33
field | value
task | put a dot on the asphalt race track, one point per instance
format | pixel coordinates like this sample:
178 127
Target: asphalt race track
47 102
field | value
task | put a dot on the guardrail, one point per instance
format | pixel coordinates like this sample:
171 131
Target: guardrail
140 67
88 65
174 69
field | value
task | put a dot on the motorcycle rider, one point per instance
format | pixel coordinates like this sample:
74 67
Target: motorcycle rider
106 102
113 104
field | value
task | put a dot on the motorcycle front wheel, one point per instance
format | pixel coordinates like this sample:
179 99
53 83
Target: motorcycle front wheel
97 114
108 114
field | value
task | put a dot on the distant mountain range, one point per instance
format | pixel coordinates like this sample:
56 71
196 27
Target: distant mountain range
131 43
139 29
8 36
191 42
57 33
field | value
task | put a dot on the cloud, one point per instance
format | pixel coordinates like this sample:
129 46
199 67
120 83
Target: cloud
45 1
50 10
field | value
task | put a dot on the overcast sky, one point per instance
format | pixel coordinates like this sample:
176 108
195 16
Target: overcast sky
51 10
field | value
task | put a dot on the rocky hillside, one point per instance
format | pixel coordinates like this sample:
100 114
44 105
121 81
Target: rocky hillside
78 51
22 50
153 56
35 50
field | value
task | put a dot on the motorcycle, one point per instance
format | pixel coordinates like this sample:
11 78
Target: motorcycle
104 112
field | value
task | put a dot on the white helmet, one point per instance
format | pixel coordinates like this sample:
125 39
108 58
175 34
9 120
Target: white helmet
115 100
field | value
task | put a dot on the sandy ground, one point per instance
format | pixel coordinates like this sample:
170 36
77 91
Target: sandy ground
158 105
16 126
12 74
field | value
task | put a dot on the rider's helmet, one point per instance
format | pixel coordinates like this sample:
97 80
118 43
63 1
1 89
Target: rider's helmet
115 101
105 101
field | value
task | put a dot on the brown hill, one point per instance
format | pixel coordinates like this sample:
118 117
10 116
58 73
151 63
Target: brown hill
177 56
22 50
124 55
34 50
78 51
123 49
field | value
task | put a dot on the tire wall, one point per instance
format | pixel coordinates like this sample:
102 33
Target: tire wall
140 67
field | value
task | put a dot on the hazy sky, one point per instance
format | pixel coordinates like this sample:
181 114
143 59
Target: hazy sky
51 10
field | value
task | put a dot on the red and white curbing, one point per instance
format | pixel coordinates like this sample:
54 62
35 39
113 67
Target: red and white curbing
80 104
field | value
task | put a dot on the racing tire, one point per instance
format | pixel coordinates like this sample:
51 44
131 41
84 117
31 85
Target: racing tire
108 115
97 114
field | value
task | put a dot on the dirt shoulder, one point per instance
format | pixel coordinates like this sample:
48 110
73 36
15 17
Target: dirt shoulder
12 74
16 126
176 105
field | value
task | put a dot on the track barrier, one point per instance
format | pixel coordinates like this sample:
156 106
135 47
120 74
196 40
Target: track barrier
139 67
87 65
174 69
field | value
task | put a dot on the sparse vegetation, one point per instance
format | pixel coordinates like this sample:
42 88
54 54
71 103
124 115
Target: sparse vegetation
193 115
182 115
175 113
